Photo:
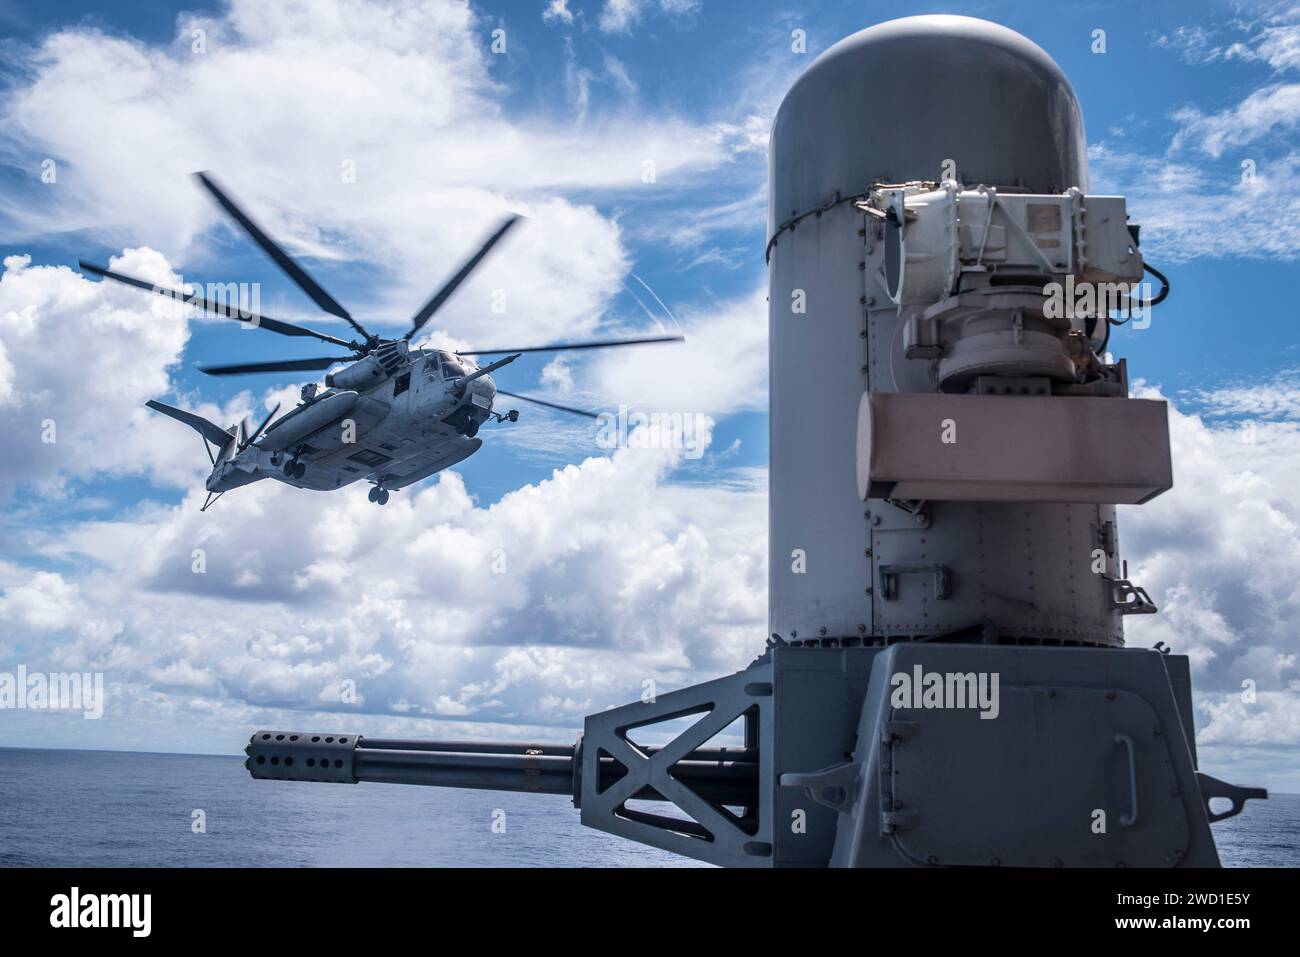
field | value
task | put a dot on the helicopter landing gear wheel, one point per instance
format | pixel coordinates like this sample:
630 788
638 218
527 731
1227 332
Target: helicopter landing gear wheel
295 469
378 495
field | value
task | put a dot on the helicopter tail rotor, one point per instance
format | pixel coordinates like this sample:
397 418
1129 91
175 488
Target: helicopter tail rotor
227 442
234 442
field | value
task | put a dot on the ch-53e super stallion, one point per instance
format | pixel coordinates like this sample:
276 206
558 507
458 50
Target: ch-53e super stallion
393 416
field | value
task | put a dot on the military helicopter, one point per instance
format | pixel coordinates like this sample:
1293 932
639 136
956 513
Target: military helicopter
393 416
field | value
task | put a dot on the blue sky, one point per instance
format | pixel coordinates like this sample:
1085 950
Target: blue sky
712 62
447 135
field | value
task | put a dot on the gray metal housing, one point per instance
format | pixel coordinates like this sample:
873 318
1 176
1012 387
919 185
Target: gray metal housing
892 103
1090 762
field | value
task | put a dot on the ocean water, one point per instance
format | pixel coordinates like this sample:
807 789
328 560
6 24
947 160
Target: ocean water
1265 834
107 808
124 809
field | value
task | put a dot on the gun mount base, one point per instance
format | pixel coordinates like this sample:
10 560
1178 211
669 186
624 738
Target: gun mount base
911 754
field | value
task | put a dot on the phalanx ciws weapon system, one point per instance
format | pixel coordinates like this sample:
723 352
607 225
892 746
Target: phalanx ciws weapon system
946 681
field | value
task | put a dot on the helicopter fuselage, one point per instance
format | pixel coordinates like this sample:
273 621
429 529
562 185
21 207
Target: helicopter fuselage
417 417
391 416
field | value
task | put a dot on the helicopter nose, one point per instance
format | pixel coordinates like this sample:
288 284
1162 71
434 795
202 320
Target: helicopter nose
485 388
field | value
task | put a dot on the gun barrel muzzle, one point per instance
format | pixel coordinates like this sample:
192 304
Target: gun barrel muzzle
725 775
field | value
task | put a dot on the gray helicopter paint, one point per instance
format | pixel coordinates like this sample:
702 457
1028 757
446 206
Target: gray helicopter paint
406 427
397 430
1085 755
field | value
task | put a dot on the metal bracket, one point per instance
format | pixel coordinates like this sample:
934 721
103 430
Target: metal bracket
893 817
921 339
1213 787
918 509
835 787
889 575
893 821
1130 599
710 832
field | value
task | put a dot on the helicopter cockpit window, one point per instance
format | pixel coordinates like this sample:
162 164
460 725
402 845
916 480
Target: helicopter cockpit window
431 366
451 366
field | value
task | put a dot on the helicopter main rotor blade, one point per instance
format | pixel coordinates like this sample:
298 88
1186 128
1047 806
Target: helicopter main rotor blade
604 344
443 294
284 365
220 309
282 259
549 405
257 432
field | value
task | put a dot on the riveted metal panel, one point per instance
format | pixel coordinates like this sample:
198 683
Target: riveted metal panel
1046 783
944 786
819 568
819 693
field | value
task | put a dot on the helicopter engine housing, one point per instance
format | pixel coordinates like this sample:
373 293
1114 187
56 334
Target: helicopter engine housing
361 375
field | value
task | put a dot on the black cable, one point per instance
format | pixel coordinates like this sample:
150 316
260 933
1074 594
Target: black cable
797 218
1164 285
1160 297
